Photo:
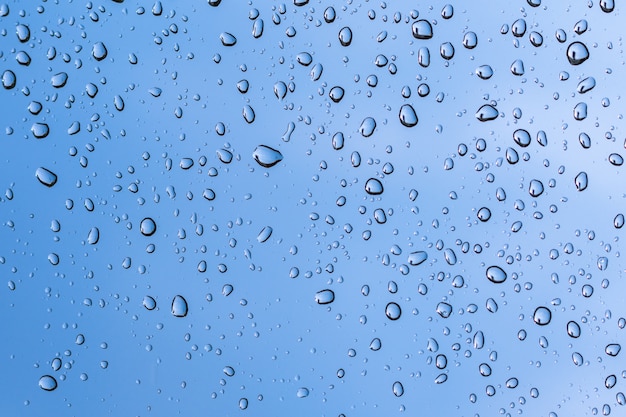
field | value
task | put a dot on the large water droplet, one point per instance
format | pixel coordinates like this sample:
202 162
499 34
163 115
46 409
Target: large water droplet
612 349
147 227
485 72
40 130
397 389
345 36
47 383
393 311
417 258
407 115
542 316
573 329
8 79
179 306
228 39
577 53
487 112
581 181
99 51
367 127
46 177
496 274
422 29
267 157
325 296
535 188
302 393
264 234
522 137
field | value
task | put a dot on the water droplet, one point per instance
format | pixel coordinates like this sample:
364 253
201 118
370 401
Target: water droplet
447 12
398 389
248 113
330 14
94 236
580 111
610 381
485 72
393 311
367 127
264 234
40 130
512 383
484 214
450 256
345 36
304 59
8 79
517 67
536 39
577 358
542 316
487 112
243 403
470 40
616 159
147 226
518 28
325 296
479 340
422 29
573 329
581 181
373 186
338 141
47 383
446 50
227 39
496 274
607 6
441 378
535 188
376 344
336 94
267 157
618 221
444 310
417 258
484 369
59 80
179 306
46 177
522 137
302 393
586 85
99 51
612 349
407 115
149 303
577 53
257 28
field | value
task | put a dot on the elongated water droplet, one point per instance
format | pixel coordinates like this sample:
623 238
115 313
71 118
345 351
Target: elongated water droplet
487 112
345 36
367 127
496 274
264 234
46 177
612 349
397 389
393 311
228 39
179 306
535 188
417 258
267 157
47 383
99 51
94 236
573 329
581 181
407 115
325 296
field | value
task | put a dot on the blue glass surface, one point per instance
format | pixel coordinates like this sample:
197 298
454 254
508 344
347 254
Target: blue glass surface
324 208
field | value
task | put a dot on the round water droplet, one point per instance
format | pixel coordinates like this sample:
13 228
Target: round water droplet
367 127
304 59
485 72
407 115
398 389
496 274
607 6
325 296
179 306
610 381
484 369
577 53
522 137
243 403
512 383
373 186
484 214
618 221
345 36
47 383
542 316
376 344
616 159
267 157
147 226
336 94
302 393
8 79
573 329
422 29
487 112
446 50
99 51
470 40
517 67
444 310
393 311
580 111
40 130
46 177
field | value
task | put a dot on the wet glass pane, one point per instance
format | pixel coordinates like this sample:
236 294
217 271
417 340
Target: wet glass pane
314 208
